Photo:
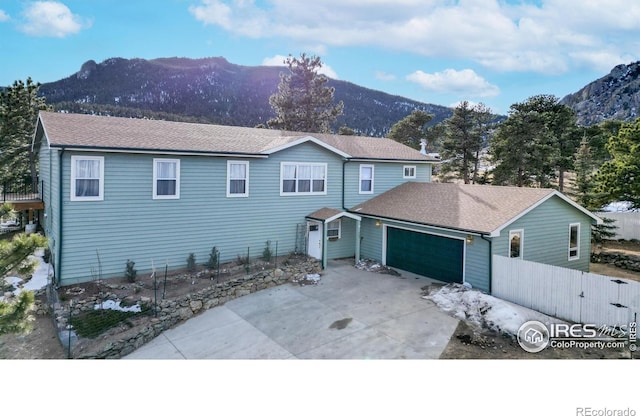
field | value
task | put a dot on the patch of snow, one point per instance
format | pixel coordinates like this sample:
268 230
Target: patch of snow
39 278
309 279
619 206
484 311
113 305
370 265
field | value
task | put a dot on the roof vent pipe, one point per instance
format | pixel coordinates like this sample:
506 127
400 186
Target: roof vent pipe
423 147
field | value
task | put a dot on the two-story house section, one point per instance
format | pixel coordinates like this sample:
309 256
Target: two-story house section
154 191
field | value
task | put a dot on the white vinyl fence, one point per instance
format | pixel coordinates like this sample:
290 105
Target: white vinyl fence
566 294
628 224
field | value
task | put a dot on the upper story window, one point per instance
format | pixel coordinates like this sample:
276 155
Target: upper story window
574 241
366 179
237 179
303 178
334 229
166 178
87 178
515 243
409 172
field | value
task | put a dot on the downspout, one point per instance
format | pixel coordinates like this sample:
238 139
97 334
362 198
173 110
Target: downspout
358 238
60 228
490 259
344 162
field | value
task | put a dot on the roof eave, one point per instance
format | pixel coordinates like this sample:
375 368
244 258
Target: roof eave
156 151
425 224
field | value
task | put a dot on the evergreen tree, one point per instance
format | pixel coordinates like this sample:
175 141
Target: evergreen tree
536 141
19 106
619 178
14 313
303 101
411 129
466 132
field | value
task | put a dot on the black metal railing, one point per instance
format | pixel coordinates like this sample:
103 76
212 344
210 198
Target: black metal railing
22 190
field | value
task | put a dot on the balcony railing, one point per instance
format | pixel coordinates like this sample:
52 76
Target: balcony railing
22 191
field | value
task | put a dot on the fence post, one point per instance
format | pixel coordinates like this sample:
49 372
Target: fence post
218 266
164 288
69 326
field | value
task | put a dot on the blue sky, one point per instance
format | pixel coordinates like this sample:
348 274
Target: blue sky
437 51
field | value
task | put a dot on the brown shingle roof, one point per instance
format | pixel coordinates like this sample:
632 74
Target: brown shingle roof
99 132
324 213
474 208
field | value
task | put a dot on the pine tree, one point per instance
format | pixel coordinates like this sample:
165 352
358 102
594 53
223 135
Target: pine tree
19 106
411 129
535 144
14 314
466 132
619 178
303 101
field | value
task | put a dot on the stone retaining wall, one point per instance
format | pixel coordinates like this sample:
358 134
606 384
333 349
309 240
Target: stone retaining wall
174 311
619 260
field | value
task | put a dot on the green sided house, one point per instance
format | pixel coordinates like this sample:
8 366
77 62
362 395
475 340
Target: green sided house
155 191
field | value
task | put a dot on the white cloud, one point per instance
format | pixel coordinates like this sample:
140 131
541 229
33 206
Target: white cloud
3 16
545 36
50 18
451 81
278 60
383 76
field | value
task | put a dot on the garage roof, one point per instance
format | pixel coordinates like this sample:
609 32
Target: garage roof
481 209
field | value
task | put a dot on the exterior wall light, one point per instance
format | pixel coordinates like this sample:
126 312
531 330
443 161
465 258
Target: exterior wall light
469 239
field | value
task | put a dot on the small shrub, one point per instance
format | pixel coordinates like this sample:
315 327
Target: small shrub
213 258
191 262
130 271
266 253
242 260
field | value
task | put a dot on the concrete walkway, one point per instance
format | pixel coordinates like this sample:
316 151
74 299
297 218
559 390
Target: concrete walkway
349 314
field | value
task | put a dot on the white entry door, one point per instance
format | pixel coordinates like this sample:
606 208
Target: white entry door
314 232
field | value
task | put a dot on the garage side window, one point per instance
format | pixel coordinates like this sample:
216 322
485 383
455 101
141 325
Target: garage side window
515 243
574 241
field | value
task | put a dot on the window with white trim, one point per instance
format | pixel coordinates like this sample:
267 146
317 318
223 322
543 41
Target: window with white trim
409 172
366 179
303 178
574 241
334 229
515 243
237 179
166 178
87 178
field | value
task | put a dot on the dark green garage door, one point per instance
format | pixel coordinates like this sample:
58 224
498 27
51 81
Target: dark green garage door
428 255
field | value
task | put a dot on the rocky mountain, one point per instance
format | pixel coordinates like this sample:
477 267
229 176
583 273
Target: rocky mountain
213 90
614 96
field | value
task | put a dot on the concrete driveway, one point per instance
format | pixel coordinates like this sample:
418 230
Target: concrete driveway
349 314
